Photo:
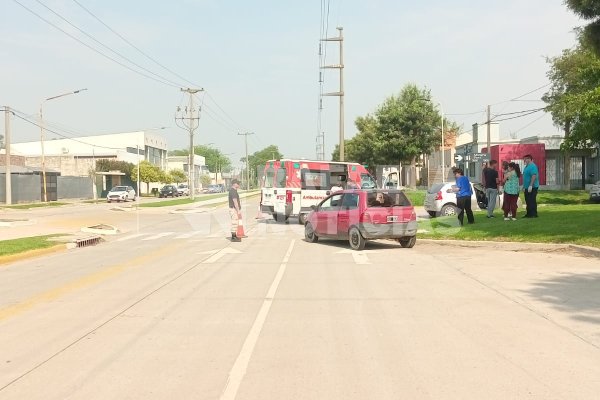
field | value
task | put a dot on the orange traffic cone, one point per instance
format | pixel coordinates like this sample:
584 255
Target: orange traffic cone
240 230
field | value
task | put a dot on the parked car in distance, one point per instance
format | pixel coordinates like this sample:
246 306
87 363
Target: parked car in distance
168 190
183 189
216 189
438 202
595 192
120 193
362 215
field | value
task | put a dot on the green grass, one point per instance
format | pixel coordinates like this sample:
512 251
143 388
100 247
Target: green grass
182 201
416 197
563 197
574 224
36 205
16 246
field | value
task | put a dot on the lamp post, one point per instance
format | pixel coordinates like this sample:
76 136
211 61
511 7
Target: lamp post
42 136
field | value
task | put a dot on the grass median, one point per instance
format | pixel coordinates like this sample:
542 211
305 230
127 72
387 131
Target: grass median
183 201
35 205
22 245
574 224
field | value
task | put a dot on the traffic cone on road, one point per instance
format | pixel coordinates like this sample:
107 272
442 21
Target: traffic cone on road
240 229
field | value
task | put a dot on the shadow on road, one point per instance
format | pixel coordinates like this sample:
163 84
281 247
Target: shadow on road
576 294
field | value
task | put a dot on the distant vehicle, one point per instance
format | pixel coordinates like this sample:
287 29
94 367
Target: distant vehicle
362 215
595 192
183 189
290 187
216 189
120 193
438 202
168 190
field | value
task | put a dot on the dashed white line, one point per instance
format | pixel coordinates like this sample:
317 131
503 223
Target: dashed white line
158 236
238 371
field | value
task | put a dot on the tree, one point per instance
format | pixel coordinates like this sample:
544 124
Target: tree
588 10
205 180
148 173
164 177
259 158
401 129
215 159
574 98
1 141
107 165
178 176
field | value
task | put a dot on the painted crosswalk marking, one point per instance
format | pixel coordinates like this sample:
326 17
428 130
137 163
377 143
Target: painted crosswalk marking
124 238
158 236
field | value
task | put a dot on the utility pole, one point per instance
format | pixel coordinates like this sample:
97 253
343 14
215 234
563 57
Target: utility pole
339 94
190 122
8 176
247 160
489 135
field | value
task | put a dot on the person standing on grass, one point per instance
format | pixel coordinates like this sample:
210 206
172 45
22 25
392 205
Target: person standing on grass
491 187
511 191
234 209
463 191
531 183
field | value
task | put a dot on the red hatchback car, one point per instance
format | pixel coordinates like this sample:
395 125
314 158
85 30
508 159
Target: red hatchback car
362 215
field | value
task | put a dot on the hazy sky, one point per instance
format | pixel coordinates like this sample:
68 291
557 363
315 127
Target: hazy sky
258 60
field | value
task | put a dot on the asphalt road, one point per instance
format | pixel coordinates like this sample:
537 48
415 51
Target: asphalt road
170 309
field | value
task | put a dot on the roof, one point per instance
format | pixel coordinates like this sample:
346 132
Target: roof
15 169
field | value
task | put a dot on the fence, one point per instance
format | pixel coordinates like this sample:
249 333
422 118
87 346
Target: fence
28 188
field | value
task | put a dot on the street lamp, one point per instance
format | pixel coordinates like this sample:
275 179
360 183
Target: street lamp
42 136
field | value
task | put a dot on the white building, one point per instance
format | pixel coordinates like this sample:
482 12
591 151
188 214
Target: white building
75 157
183 162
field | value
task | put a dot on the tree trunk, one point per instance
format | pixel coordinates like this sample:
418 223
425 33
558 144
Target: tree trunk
413 173
567 157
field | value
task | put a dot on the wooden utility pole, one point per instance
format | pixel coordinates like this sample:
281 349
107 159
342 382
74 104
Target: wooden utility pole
340 94
8 176
247 160
190 122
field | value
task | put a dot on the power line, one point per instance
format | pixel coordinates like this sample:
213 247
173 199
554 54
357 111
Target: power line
519 116
519 112
92 48
134 46
103 45
16 114
224 112
529 124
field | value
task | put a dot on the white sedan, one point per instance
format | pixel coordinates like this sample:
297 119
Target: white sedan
120 193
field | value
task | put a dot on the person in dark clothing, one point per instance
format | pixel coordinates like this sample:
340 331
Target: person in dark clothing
491 187
234 209
464 192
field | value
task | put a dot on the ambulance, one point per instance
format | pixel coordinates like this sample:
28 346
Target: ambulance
290 187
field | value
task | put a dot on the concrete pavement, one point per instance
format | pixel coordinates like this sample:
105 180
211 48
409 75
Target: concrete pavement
175 310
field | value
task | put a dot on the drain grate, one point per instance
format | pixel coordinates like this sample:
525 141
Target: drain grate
89 241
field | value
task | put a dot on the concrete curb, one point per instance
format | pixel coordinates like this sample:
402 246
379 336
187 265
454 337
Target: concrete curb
518 246
32 254
101 229
7 223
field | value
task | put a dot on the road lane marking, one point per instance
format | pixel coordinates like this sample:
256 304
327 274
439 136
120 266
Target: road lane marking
188 235
158 236
136 235
81 283
360 257
218 254
238 371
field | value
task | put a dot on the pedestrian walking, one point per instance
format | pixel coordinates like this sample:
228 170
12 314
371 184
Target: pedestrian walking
463 191
511 191
531 184
491 187
234 209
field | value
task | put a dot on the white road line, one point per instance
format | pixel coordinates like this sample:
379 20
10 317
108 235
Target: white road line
158 236
136 235
188 235
238 371
360 257
217 255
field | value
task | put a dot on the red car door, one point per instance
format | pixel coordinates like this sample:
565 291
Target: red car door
349 214
327 215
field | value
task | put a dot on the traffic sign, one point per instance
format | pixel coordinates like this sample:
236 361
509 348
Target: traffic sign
458 158
480 157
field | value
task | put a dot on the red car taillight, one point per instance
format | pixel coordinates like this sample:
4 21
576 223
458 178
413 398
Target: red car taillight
439 195
288 196
365 218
